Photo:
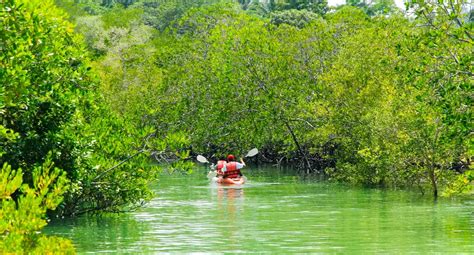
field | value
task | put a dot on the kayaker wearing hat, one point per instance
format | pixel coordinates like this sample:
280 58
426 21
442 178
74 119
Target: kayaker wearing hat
230 172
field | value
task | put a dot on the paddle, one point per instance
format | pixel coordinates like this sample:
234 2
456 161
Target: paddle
211 174
202 159
251 153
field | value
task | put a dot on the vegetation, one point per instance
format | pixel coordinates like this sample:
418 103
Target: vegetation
360 93
376 7
52 114
21 220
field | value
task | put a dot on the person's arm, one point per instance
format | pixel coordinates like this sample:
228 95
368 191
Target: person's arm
241 164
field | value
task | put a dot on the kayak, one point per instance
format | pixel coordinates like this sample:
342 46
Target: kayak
226 181
230 181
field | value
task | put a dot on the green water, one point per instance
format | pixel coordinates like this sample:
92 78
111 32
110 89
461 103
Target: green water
276 212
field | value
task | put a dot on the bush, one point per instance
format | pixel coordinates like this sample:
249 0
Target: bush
22 218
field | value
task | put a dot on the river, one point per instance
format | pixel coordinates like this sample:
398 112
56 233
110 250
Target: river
276 212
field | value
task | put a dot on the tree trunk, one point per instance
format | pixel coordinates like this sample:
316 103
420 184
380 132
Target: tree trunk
308 165
433 181
432 159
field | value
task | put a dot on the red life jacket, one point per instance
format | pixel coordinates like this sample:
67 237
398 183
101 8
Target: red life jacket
220 165
232 171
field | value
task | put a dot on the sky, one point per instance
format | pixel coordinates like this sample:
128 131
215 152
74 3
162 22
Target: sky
399 3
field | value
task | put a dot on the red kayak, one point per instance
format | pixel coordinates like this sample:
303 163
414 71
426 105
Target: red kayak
226 181
231 181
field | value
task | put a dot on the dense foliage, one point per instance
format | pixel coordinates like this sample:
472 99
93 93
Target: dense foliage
21 220
358 95
51 115
39 77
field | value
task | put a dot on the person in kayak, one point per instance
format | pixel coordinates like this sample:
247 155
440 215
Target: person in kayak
219 166
230 172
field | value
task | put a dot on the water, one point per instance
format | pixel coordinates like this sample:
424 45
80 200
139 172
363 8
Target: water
276 212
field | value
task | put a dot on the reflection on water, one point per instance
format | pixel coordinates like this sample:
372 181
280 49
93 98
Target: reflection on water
230 209
277 213
104 233
229 202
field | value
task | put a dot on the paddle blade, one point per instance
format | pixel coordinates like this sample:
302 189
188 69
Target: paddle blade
202 159
252 152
